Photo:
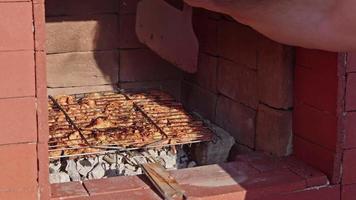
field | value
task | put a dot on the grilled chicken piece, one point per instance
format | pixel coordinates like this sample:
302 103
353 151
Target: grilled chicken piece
100 123
55 153
87 103
65 100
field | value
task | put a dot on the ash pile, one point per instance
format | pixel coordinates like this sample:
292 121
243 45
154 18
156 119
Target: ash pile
118 164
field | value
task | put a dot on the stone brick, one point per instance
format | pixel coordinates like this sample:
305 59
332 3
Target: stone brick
42 98
71 190
351 92
275 74
238 82
172 87
314 155
16 26
43 172
273 182
311 58
316 79
206 30
324 193
39 26
17 75
205 174
38 1
349 167
206 75
146 194
82 69
350 130
199 100
316 88
18 120
207 13
239 149
313 177
73 34
238 43
213 152
80 89
80 7
351 66
145 65
118 184
348 192
236 119
128 6
315 125
161 35
18 171
5 1
274 131
127 33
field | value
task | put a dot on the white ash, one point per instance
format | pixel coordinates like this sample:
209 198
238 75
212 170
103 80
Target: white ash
117 164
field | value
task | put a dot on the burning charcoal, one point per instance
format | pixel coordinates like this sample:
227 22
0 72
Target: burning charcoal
54 167
72 170
59 177
192 164
97 172
84 166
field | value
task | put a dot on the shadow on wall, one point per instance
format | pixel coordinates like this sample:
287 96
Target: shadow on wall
82 46
87 51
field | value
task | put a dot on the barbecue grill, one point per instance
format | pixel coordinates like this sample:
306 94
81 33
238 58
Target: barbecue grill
106 122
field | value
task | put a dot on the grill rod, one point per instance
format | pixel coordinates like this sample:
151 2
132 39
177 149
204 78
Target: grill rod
164 135
112 148
70 120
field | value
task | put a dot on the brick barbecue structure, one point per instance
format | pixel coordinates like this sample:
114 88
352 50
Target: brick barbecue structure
296 105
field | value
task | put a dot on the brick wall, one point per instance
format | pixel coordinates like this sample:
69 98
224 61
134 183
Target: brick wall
92 46
23 139
349 153
316 116
243 84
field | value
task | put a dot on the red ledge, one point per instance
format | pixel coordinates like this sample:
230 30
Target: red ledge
251 176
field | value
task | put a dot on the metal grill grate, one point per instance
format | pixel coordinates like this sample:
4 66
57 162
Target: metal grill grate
106 122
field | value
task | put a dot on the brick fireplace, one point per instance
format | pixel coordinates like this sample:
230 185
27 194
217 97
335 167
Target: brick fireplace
269 97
